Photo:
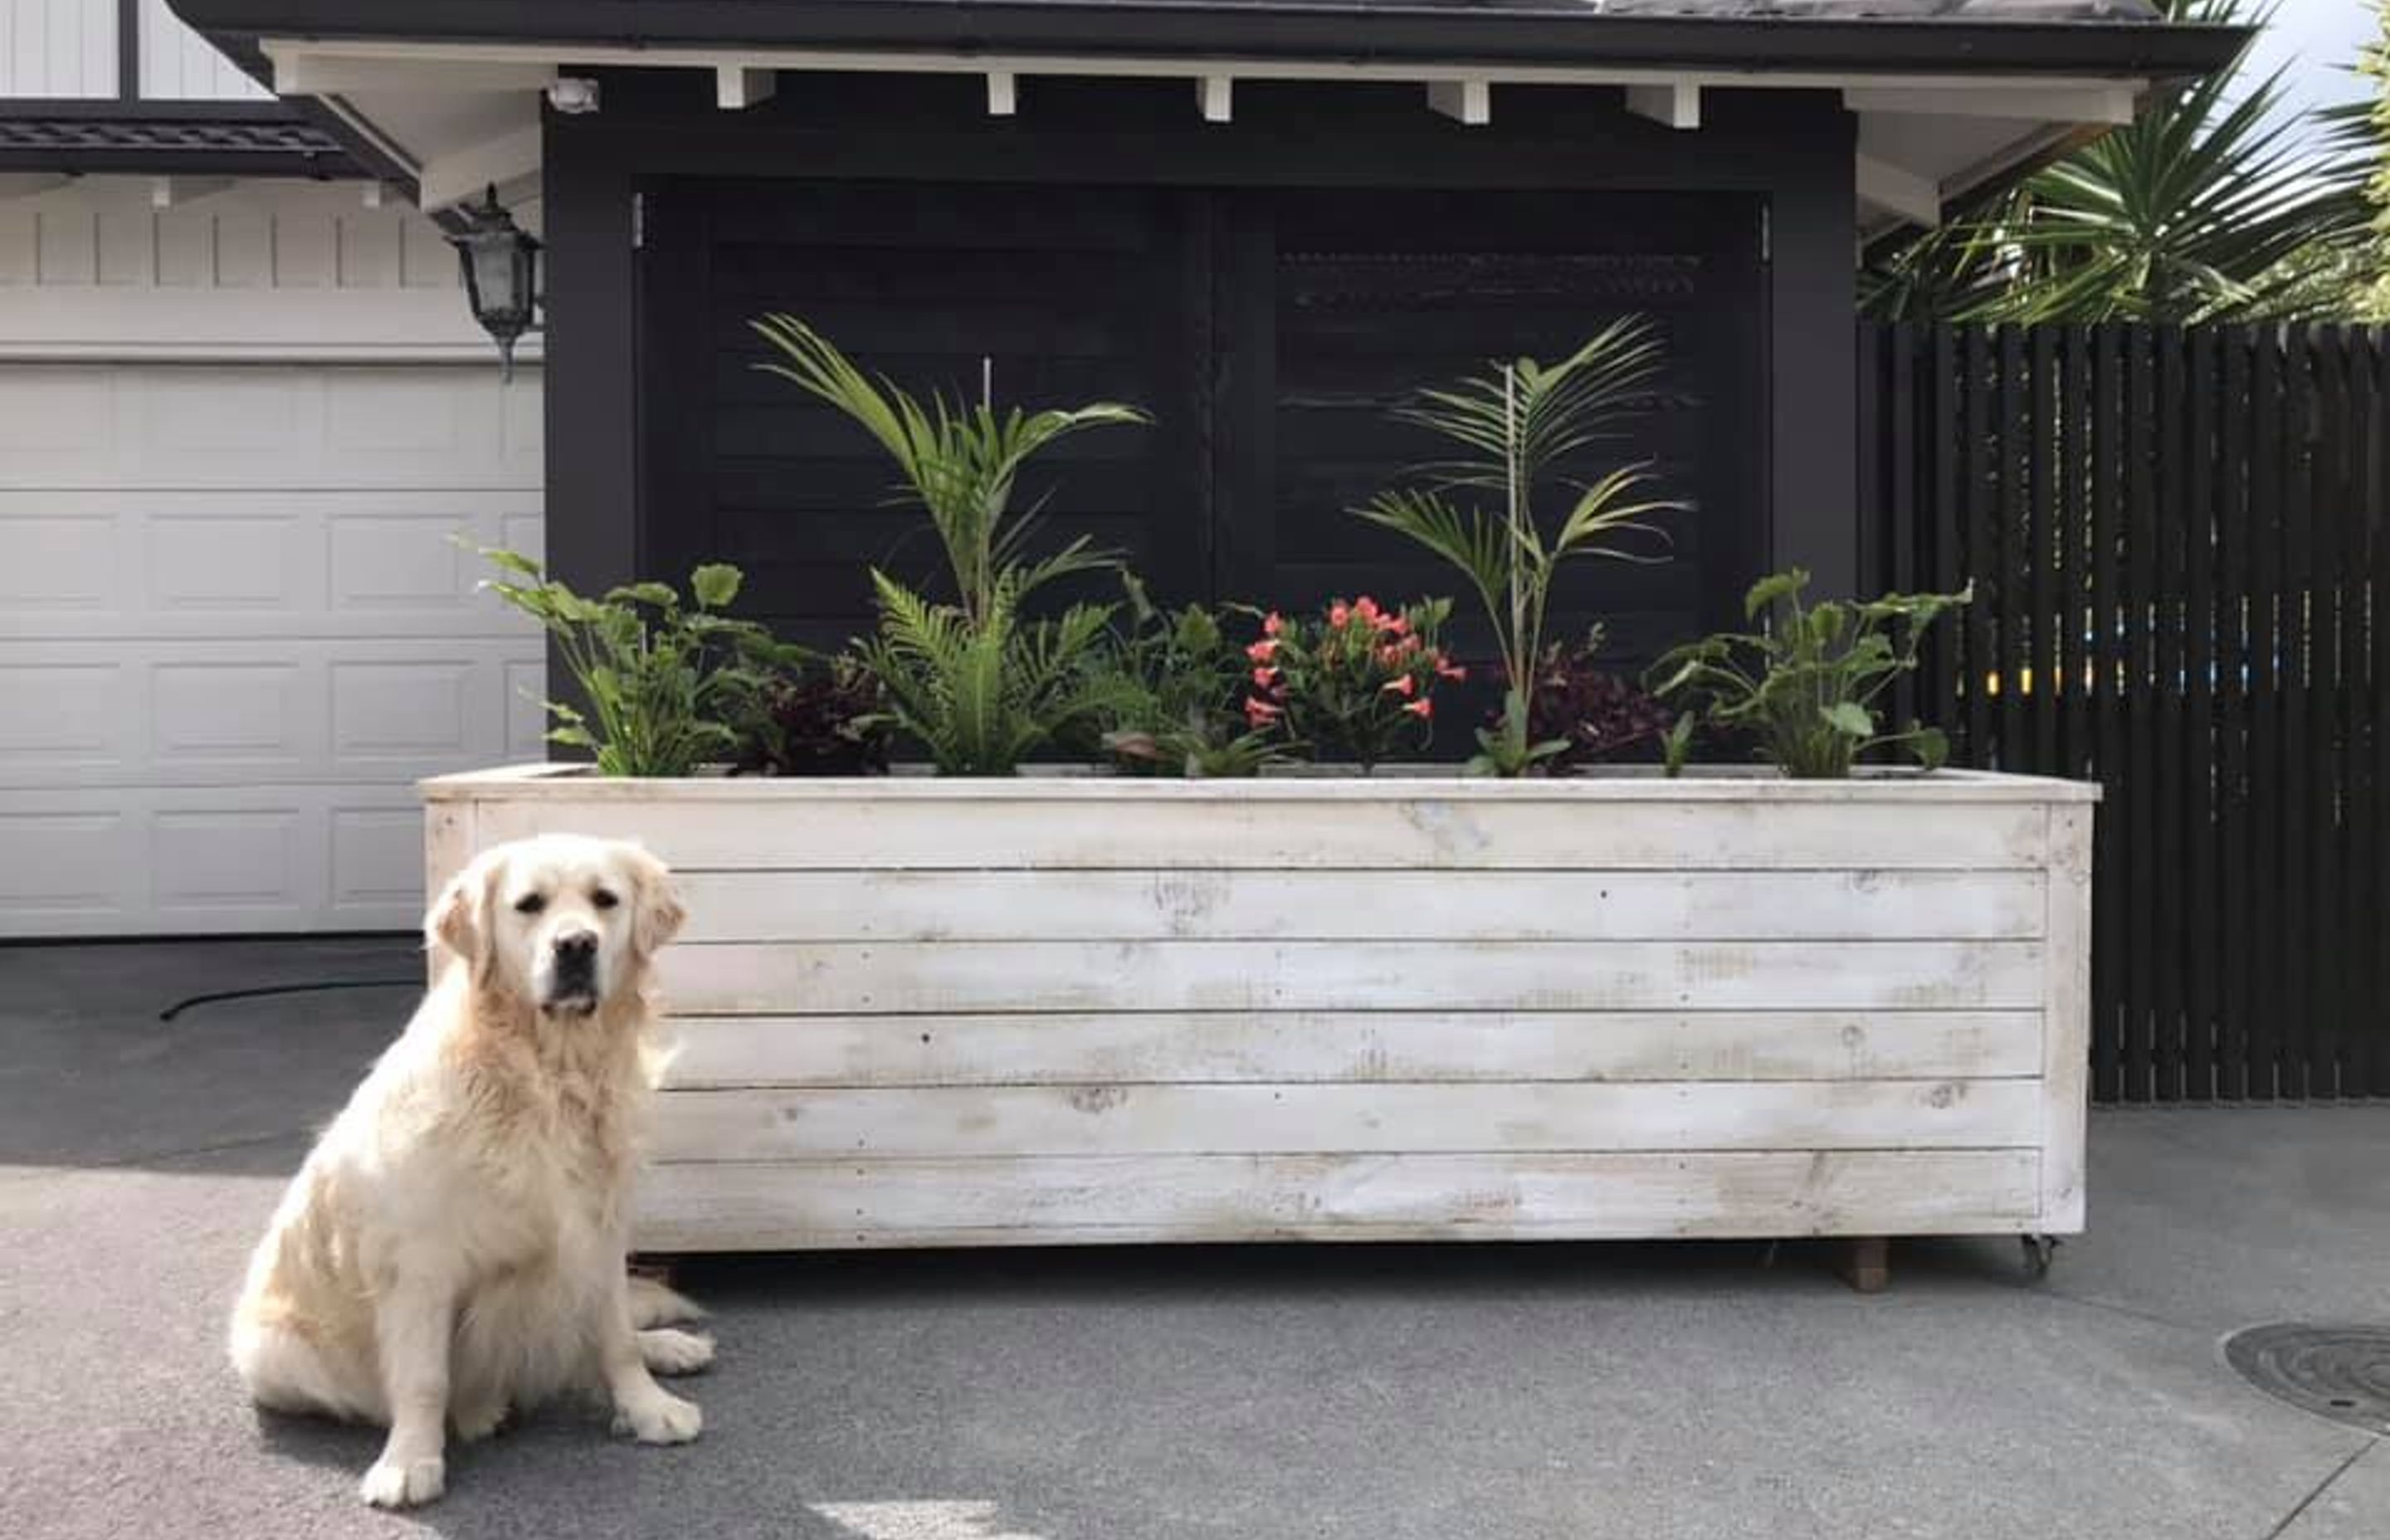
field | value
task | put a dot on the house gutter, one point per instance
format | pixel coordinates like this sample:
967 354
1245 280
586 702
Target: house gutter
1556 32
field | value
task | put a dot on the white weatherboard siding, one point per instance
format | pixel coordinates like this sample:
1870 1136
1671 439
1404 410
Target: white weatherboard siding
1061 1010
51 49
233 628
177 64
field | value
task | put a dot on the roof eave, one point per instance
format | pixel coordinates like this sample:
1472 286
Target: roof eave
1492 34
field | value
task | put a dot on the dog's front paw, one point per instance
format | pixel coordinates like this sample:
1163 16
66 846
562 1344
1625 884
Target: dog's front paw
665 1351
404 1483
660 1419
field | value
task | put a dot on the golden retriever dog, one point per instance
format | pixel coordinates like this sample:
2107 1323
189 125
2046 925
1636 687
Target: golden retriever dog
453 1249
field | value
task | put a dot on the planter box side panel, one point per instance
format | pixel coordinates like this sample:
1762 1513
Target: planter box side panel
930 1019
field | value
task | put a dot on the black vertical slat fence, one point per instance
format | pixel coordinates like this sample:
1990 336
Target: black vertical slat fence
2177 537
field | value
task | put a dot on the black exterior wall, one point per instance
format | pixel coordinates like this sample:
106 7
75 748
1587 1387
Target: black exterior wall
1790 153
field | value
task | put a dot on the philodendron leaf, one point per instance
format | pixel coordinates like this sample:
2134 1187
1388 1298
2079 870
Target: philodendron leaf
1932 748
715 585
513 561
1850 718
1774 587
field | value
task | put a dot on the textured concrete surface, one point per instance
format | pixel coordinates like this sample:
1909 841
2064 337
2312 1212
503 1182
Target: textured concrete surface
1560 1392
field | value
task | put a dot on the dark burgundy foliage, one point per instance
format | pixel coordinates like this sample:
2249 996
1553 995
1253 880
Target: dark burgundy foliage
1603 718
826 718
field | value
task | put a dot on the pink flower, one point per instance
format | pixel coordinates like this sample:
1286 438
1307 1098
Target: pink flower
1338 614
1446 669
1265 677
1367 608
1272 623
1422 707
1398 625
1260 652
1401 683
1261 713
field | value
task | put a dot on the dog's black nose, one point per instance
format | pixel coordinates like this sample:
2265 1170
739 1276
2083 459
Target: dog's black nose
576 946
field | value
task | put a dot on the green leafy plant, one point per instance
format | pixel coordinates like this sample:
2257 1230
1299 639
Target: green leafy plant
1358 681
1806 683
1518 428
822 717
982 695
981 683
662 679
960 463
1181 682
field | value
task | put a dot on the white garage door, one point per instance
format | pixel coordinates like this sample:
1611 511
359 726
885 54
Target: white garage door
234 631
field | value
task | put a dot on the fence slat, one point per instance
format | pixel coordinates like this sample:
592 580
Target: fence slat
2266 1001
2325 706
2205 940
1977 662
2141 719
2232 537
2165 788
2109 829
2295 746
2043 558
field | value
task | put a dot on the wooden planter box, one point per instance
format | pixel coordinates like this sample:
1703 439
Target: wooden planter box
922 1012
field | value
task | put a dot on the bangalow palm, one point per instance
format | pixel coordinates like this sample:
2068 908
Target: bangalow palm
981 682
1518 428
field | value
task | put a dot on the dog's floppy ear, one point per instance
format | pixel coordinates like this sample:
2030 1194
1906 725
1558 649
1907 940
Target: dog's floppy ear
656 914
459 918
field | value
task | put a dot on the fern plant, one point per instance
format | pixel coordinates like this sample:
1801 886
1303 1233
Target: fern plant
1806 684
984 694
1515 428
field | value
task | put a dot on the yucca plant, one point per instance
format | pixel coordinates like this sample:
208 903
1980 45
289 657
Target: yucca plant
2209 206
1517 427
979 682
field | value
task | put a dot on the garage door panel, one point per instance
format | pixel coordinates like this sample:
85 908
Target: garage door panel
223 860
110 427
98 564
236 628
221 712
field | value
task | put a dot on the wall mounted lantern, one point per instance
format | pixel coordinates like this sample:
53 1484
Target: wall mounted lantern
501 262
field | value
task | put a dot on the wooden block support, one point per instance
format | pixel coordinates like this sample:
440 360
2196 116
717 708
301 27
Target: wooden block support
1866 1264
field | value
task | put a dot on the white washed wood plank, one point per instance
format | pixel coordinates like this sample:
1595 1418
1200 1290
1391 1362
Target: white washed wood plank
933 977
1005 1120
1204 1046
851 1203
2066 1025
1115 833
1452 906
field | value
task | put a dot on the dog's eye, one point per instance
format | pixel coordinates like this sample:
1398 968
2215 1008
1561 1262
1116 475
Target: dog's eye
604 898
530 904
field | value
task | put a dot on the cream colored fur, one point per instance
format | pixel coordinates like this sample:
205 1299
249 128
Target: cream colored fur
453 1249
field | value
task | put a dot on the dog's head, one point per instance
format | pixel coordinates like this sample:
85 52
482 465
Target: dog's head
560 922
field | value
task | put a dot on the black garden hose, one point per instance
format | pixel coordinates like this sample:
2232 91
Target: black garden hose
181 1006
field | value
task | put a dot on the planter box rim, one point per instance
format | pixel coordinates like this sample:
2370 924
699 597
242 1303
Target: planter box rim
1890 787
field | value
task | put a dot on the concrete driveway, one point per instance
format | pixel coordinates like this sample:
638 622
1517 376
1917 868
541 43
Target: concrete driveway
1562 1392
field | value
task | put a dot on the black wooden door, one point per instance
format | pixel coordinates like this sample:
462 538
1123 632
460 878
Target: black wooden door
1268 332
